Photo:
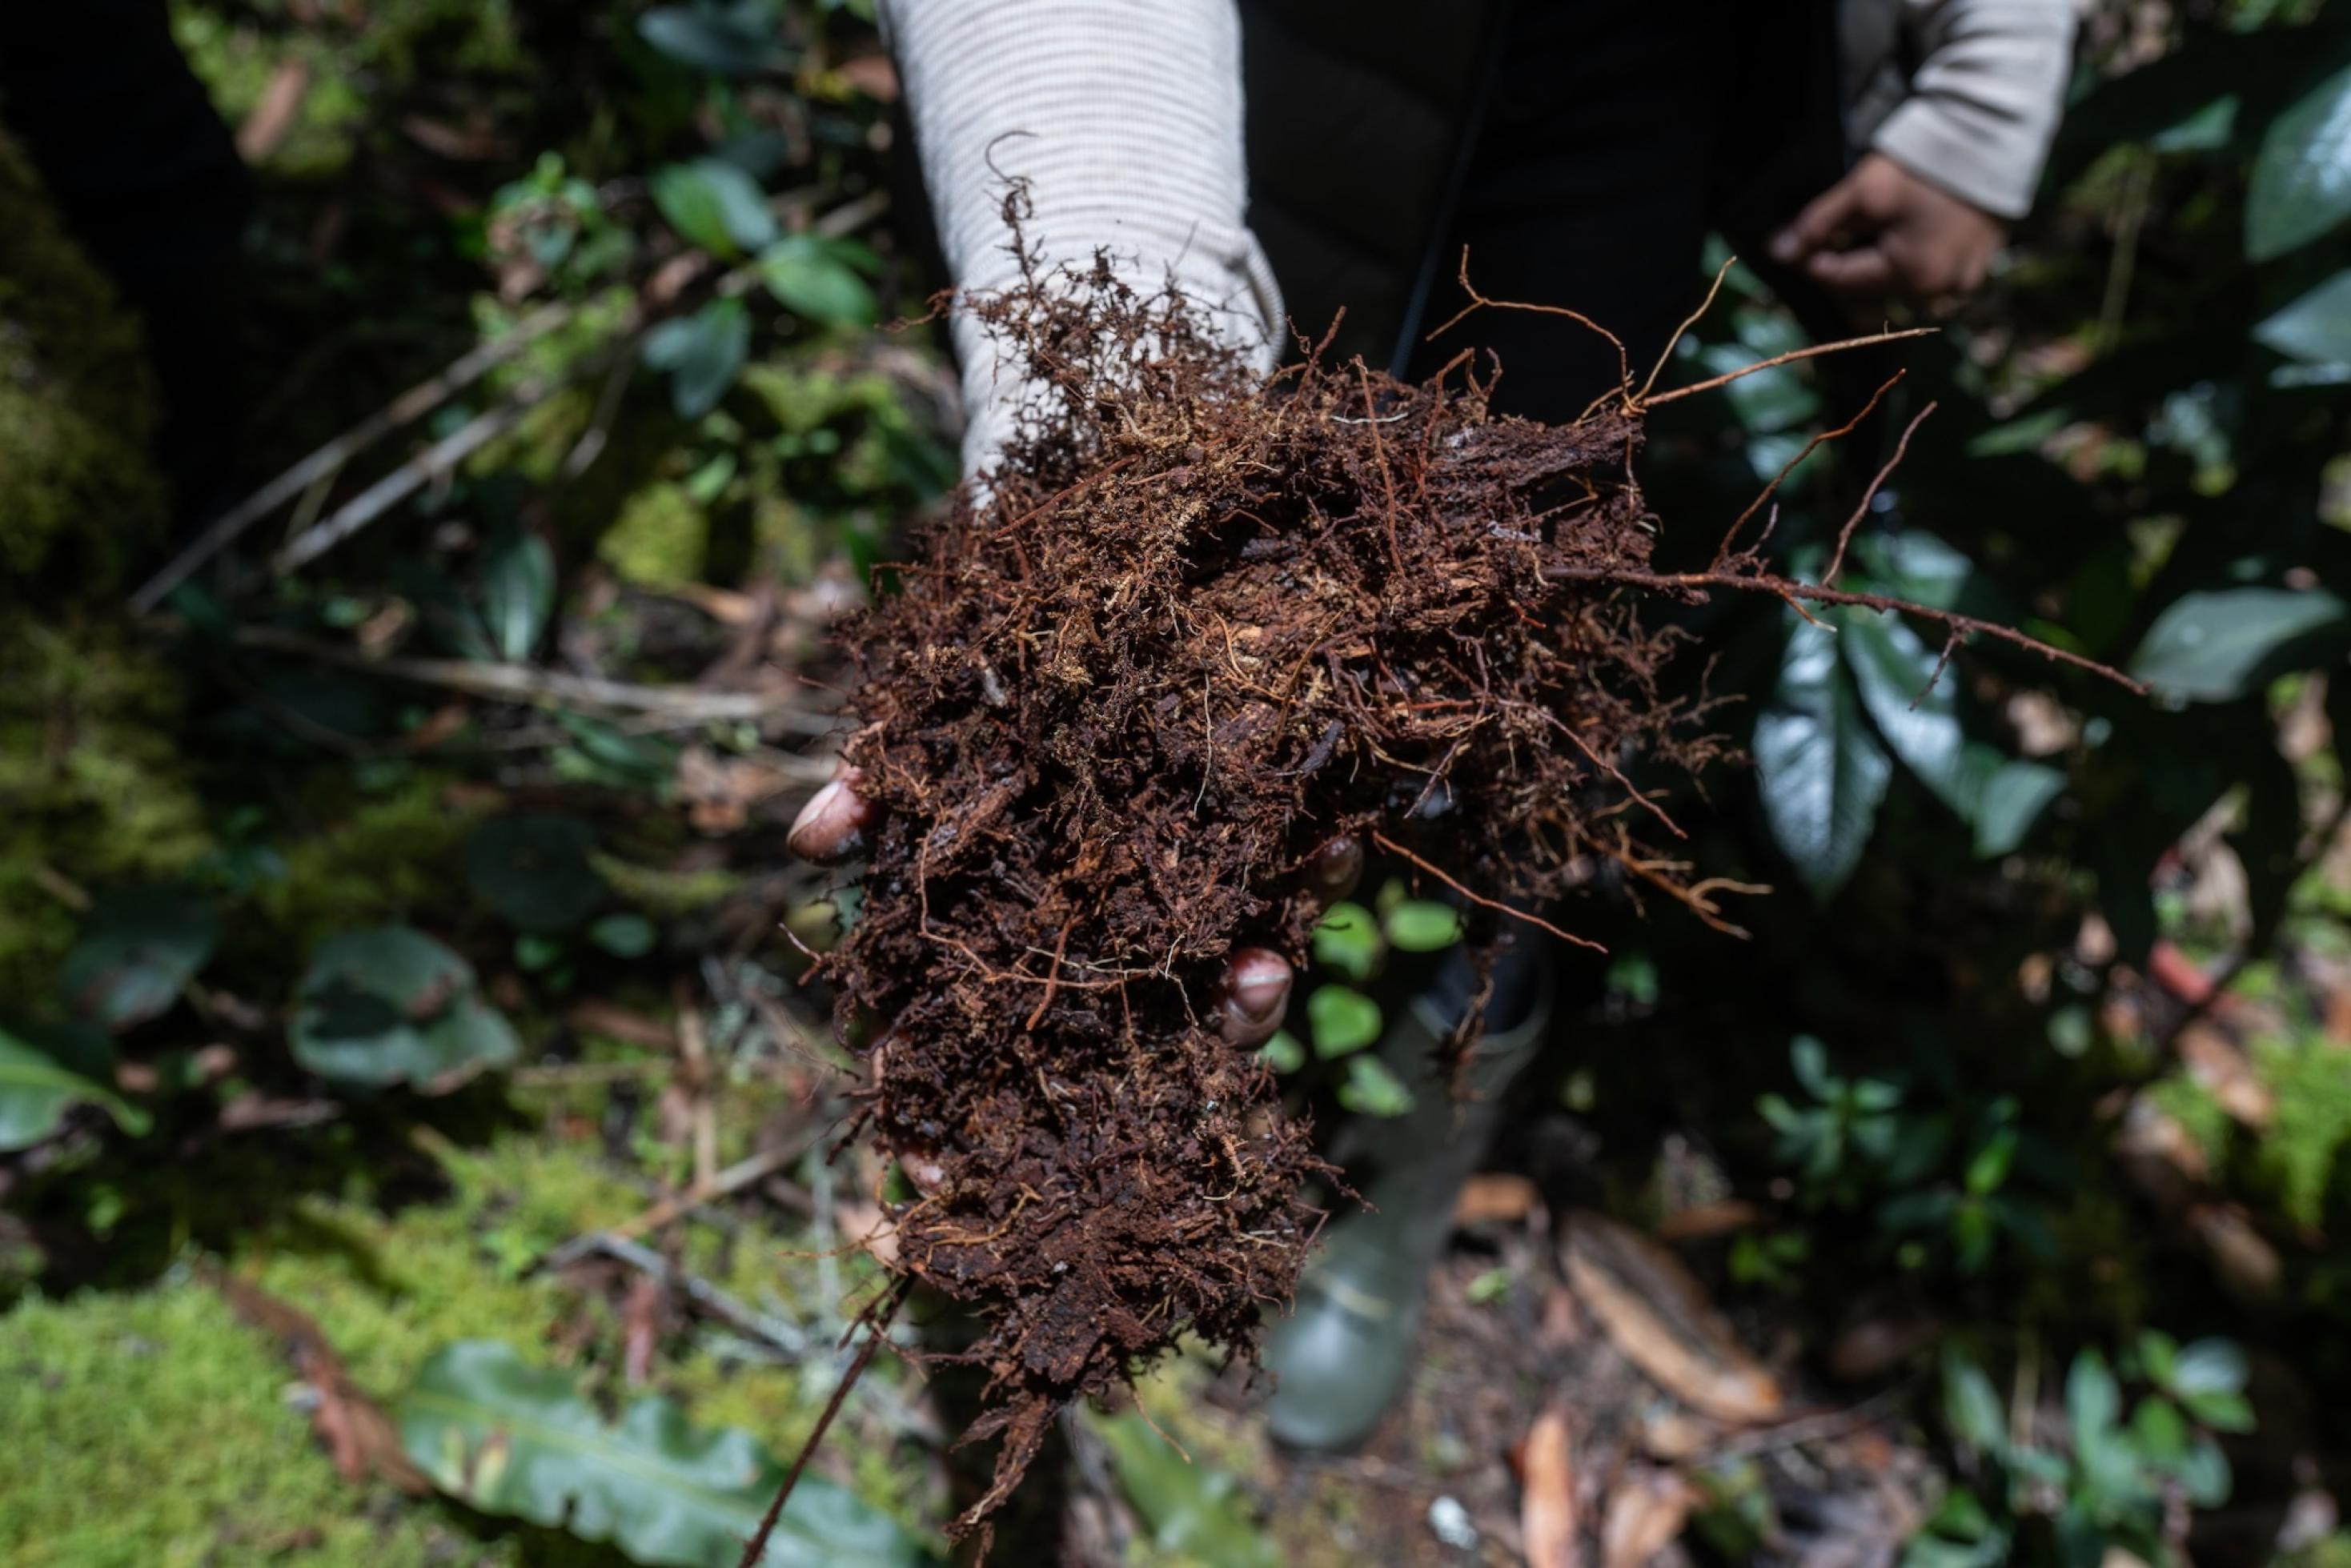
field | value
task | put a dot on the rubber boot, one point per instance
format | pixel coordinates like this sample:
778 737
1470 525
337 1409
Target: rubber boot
1343 1354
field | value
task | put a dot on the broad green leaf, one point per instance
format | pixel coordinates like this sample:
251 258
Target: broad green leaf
45 1071
392 1006
703 353
518 592
1341 1021
1822 770
1972 1407
1197 1512
2213 645
1347 942
137 952
2093 1402
2207 1366
714 204
1767 400
512 1440
732 37
1891 667
2314 329
1371 1090
808 277
1423 925
2301 186
534 867
2012 799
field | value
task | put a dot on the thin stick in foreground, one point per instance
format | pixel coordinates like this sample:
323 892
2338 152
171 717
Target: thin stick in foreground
1480 899
876 1319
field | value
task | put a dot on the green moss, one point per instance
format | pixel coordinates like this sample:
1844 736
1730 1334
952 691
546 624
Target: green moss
666 895
152 1430
77 494
2312 1079
379 857
92 785
661 536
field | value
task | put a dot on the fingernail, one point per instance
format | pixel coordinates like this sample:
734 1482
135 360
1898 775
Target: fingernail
1783 246
1257 995
1335 868
833 825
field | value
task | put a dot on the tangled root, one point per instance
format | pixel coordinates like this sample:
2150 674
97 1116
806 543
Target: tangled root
1203 621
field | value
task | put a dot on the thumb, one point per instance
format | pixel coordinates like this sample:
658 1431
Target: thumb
1817 225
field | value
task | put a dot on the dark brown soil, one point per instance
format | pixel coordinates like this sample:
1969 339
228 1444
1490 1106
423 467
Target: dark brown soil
1205 622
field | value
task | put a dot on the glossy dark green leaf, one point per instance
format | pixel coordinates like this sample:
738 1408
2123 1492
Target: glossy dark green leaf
518 592
2213 645
43 1072
1818 762
2301 185
807 277
136 953
1919 721
509 1438
731 37
2208 1367
392 1006
1341 1021
2314 329
1194 1510
626 935
703 353
534 869
1767 400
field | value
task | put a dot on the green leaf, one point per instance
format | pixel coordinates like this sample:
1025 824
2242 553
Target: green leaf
624 935
534 867
1195 1512
1341 1021
2207 1366
1283 1052
714 204
811 278
1347 942
2315 327
519 1441
518 590
1423 926
2301 184
392 1006
2093 1400
45 1072
1891 667
2012 799
1371 1090
1767 400
731 38
703 353
1972 1407
2222 1411
1822 770
2215 644
136 953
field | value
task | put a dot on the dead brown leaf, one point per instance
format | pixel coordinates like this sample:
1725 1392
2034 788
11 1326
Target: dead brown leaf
2214 1061
1699 1221
359 1438
626 1025
1660 1317
1494 1196
1547 1500
274 114
1645 1513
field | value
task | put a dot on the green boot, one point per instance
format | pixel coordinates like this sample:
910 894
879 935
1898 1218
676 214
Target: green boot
1344 1353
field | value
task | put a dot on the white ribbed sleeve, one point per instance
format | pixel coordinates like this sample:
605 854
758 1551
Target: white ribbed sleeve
1125 116
1984 102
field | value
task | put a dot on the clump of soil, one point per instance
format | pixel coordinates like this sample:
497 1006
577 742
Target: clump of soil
1203 621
